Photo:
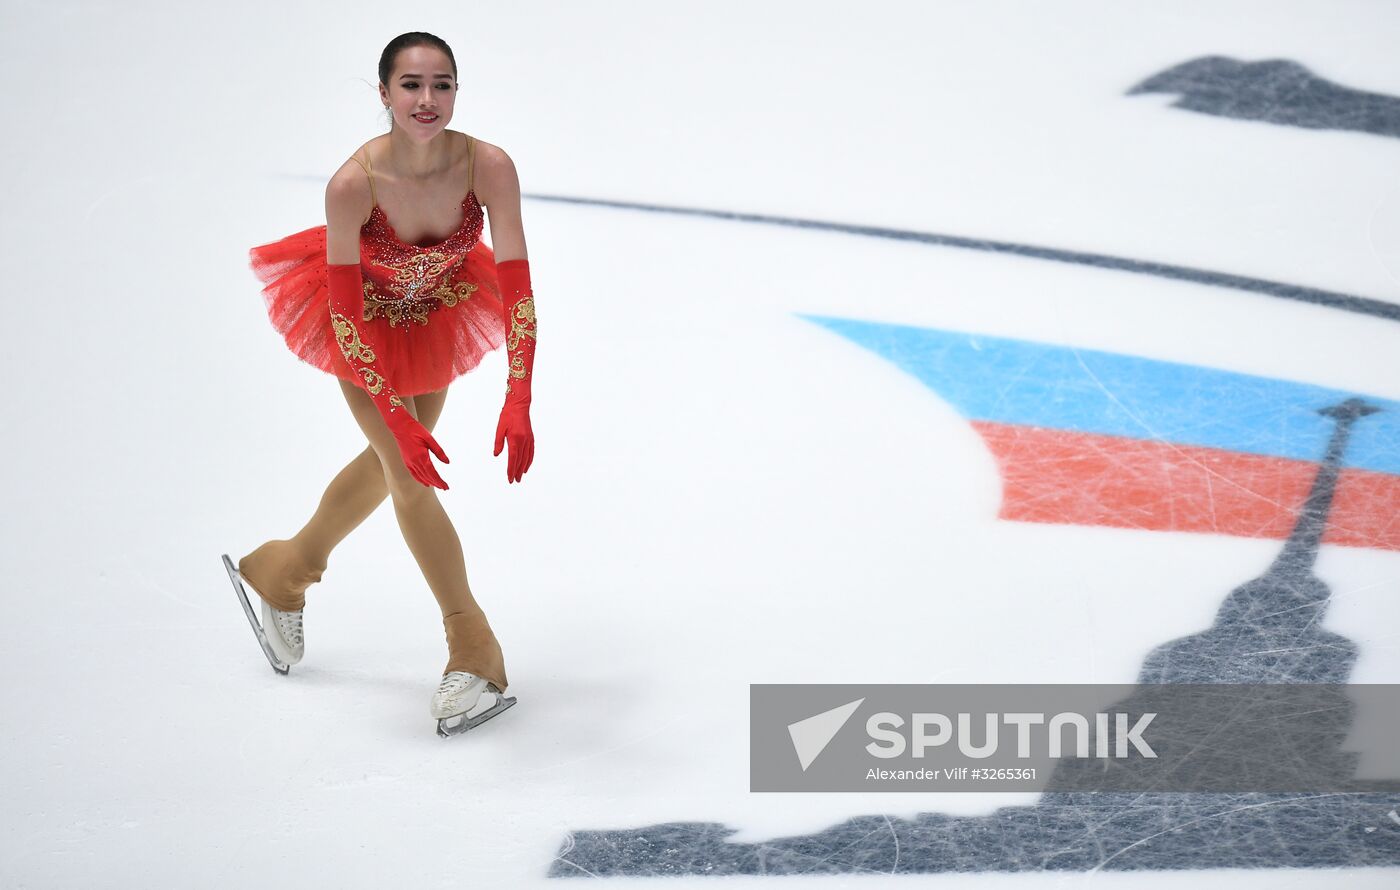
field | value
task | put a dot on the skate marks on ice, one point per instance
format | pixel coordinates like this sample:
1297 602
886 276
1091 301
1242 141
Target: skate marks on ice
1316 466
1093 438
1266 631
1063 832
1277 91
241 592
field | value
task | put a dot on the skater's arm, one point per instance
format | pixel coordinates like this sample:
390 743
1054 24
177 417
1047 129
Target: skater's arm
498 188
348 203
501 188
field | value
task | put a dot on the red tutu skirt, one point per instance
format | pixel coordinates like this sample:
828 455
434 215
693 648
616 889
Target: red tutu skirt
416 358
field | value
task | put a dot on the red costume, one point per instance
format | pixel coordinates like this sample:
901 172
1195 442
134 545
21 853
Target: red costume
431 311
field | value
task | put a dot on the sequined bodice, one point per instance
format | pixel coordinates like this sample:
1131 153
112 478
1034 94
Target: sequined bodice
407 281
379 230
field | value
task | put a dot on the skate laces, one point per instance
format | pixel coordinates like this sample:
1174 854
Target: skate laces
454 682
289 623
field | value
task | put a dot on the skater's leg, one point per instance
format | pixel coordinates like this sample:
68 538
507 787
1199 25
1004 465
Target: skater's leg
435 546
281 570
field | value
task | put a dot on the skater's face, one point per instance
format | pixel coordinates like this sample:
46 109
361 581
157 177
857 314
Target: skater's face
420 84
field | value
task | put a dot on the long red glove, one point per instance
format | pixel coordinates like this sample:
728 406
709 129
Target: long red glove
518 302
347 303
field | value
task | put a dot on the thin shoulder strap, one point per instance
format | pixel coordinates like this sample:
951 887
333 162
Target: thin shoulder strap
471 158
368 173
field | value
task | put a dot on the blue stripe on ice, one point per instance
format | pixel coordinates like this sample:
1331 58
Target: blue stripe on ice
1059 387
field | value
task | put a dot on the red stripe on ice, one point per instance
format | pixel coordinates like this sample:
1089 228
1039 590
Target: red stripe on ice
1085 479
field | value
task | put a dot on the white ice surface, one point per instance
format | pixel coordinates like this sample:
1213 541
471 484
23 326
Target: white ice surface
720 497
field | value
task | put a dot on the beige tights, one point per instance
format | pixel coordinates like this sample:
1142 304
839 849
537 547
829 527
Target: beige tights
280 570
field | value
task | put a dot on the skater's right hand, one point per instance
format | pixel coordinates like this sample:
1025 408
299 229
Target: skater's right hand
416 445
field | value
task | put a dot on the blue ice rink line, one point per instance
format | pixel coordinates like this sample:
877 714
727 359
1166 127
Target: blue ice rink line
1046 385
1333 299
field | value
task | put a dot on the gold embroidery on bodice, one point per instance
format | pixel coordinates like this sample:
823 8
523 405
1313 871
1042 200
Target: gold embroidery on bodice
421 283
404 282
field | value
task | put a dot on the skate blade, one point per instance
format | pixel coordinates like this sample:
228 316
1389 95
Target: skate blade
446 728
236 580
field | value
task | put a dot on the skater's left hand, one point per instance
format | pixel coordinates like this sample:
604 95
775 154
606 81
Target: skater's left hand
514 426
518 302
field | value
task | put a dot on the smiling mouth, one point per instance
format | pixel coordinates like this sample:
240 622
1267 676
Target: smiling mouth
425 118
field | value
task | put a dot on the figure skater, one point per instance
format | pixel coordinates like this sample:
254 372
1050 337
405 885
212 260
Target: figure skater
397 310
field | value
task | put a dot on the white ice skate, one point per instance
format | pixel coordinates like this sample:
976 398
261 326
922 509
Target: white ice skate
279 633
469 697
